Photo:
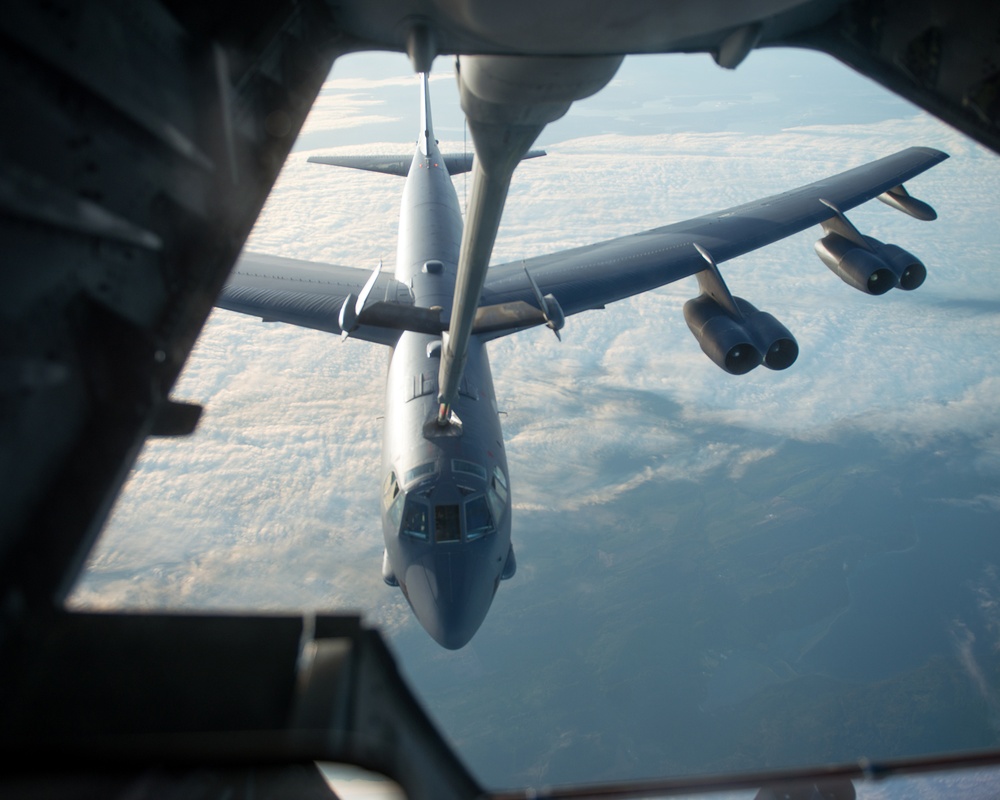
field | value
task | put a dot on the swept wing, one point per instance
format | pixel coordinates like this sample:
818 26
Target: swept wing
594 275
320 296
314 295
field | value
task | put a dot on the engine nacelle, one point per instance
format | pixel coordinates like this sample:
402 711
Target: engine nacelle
873 271
722 338
909 270
775 340
738 346
854 265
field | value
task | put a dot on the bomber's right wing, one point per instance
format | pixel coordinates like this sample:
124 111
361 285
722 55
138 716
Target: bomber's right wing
457 163
591 276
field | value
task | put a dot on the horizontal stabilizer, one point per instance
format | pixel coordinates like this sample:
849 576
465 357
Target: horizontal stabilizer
399 165
457 163
388 165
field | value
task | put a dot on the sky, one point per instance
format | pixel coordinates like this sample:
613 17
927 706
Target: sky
701 557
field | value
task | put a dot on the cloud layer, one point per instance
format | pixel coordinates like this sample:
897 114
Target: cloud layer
286 460
273 503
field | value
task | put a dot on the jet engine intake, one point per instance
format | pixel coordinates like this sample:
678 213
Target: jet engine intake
909 270
737 346
874 269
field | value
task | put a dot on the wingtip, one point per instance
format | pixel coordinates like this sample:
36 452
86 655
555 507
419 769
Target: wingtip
933 152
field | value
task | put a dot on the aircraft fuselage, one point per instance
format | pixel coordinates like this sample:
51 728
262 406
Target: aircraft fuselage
445 499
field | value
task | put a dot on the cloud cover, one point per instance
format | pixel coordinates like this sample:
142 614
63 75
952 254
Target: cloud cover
286 460
273 503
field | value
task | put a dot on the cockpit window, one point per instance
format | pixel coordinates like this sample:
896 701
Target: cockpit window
478 520
390 489
469 468
499 481
415 519
446 524
416 472
392 497
497 493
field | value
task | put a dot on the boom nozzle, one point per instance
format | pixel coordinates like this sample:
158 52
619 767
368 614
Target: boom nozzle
420 47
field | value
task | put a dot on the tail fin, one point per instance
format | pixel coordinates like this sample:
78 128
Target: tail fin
455 163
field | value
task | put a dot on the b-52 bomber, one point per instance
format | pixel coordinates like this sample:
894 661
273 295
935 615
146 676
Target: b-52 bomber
446 491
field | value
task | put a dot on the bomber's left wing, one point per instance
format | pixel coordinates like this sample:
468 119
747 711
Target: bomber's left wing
326 297
592 276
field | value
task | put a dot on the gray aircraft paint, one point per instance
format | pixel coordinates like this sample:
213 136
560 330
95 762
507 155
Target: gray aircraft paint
449 584
450 580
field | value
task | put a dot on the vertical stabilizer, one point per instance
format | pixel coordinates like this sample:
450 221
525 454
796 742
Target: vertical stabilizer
425 142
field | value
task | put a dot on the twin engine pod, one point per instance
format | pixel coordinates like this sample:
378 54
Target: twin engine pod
874 268
866 263
739 346
738 337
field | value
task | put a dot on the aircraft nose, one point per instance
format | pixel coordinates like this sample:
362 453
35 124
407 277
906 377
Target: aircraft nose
450 591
